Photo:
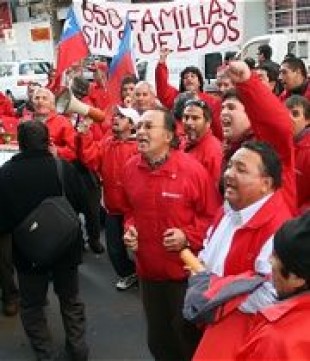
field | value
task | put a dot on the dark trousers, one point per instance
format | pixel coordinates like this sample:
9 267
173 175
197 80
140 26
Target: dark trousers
7 282
170 336
114 232
92 217
33 291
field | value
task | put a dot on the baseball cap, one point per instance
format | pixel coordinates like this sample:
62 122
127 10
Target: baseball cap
130 113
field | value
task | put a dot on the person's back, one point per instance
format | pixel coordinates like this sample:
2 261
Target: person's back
25 181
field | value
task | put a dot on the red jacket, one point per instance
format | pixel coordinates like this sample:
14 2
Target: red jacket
302 155
6 106
303 90
99 96
209 152
271 123
177 194
108 159
167 93
62 135
280 332
249 239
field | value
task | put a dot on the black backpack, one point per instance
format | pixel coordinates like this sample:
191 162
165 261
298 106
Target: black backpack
46 233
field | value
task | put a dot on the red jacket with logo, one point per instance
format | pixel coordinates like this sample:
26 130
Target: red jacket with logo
167 93
280 332
302 155
108 159
62 135
177 194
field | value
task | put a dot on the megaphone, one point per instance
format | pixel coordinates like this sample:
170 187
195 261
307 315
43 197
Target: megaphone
67 103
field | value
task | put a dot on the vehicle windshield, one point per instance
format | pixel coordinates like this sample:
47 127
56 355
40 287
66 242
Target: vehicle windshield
6 70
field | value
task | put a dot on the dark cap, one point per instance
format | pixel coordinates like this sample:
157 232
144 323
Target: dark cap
292 245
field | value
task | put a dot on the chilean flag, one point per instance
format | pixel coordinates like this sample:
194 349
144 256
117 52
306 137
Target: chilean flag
72 46
122 64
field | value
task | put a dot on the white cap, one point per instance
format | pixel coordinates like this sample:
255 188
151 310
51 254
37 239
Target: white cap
130 113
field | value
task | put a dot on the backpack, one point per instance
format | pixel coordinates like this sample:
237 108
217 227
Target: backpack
49 229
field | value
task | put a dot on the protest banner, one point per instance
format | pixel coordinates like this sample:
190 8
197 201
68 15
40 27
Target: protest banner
183 26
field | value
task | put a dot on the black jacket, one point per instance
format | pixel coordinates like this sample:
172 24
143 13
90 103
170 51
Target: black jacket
25 181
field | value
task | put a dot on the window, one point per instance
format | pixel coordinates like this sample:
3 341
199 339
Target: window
303 48
141 69
212 62
6 70
34 68
252 49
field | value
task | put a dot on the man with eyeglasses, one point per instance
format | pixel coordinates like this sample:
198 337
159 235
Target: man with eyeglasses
171 202
201 143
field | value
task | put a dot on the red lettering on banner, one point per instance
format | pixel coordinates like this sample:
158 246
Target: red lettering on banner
88 14
172 13
180 46
162 42
202 14
181 15
141 45
130 17
233 29
87 36
215 8
201 38
99 15
221 28
114 19
148 20
233 7
189 17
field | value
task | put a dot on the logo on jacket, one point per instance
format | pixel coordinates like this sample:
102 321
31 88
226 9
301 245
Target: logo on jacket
33 227
172 195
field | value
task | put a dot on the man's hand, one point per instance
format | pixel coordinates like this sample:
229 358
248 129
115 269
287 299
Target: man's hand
238 71
174 240
131 238
164 52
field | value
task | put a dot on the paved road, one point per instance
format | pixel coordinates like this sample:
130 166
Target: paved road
116 328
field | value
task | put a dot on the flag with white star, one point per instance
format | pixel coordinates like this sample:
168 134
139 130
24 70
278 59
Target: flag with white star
72 46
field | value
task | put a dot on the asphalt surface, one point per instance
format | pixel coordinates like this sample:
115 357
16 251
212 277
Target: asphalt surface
115 322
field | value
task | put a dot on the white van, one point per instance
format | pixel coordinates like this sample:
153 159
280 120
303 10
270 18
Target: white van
281 44
16 75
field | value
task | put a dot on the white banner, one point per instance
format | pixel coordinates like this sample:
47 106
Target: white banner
183 26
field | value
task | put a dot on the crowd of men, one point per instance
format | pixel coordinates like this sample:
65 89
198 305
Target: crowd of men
223 175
